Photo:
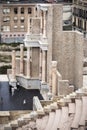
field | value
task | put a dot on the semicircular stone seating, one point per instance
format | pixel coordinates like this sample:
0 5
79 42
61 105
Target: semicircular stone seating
67 113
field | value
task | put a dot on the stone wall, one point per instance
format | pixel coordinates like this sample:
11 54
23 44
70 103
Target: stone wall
85 47
78 63
49 36
68 52
35 26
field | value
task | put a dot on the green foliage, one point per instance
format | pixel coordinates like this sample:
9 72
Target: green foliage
11 44
5 58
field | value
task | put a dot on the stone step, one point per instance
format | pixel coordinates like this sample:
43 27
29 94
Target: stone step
56 120
64 117
50 121
14 124
71 108
45 121
75 123
84 111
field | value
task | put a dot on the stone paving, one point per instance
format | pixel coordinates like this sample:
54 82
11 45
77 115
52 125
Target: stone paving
16 101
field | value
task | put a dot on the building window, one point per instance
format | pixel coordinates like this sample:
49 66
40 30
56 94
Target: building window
6 35
15 27
6 19
22 10
15 10
22 26
22 35
29 10
15 19
22 19
6 28
6 11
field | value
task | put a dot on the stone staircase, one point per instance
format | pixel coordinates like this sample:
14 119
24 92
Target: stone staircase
65 114
4 116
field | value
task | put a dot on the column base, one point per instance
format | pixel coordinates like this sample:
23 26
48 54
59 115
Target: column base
21 74
43 82
28 77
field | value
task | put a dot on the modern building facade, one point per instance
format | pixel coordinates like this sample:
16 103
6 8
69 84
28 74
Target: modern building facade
80 15
14 19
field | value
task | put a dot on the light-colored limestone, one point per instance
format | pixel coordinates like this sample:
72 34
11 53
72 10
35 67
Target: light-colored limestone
54 77
13 64
28 62
43 65
21 58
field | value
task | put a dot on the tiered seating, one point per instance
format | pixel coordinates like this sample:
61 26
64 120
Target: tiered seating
64 118
50 121
68 113
45 121
78 110
84 111
56 120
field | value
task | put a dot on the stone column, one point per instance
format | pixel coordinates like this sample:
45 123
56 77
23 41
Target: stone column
28 62
83 24
43 65
40 65
54 77
44 27
41 27
13 64
28 26
21 58
34 11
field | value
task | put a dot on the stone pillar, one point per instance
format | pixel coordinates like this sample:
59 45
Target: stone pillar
28 26
54 77
40 65
43 65
83 24
21 58
28 62
34 11
41 27
44 27
13 64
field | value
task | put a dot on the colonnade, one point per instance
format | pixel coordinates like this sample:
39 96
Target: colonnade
42 63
